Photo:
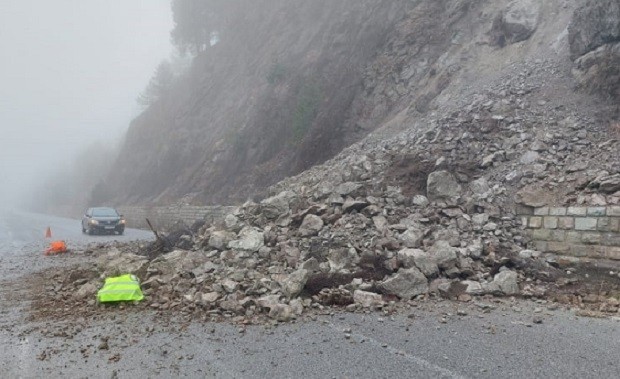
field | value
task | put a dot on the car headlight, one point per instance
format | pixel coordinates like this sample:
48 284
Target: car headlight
122 221
93 222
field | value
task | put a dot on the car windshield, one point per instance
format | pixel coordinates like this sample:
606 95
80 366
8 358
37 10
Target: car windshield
104 212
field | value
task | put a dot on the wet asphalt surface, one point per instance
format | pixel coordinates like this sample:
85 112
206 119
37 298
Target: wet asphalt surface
432 340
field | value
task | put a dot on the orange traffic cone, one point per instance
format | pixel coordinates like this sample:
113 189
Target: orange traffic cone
56 247
48 232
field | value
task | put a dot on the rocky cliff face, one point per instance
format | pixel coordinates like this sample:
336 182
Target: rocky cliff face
298 81
594 35
268 100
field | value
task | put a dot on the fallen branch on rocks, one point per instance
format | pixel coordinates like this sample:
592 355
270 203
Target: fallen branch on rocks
160 246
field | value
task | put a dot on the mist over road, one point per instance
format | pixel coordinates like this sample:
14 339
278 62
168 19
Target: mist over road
22 241
21 229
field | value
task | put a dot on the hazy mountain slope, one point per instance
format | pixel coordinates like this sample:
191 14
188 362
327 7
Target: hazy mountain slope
252 107
298 81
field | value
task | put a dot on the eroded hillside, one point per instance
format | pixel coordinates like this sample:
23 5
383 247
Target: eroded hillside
266 101
294 82
488 165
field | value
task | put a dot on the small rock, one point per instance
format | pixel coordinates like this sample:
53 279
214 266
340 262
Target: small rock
537 320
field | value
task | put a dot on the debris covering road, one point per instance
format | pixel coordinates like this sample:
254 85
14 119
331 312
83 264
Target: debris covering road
436 340
486 337
405 255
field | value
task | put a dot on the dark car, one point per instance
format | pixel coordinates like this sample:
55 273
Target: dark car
103 220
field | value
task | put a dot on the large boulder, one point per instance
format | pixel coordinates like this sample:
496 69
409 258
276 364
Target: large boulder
208 298
282 312
294 283
594 38
381 223
268 301
472 287
278 310
594 24
529 157
312 265
116 263
479 187
219 239
406 284
176 262
276 206
443 255
347 188
442 185
250 239
609 183
311 226
419 200
232 223
533 196
506 282
342 259
412 237
420 259
599 71
351 205
86 290
520 20
368 299
229 285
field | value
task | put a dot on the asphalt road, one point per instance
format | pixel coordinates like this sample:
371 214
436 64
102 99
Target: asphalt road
20 228
502 343
22 240
432 340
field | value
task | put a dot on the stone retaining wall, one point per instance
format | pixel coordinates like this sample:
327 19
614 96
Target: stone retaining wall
163 218
591 232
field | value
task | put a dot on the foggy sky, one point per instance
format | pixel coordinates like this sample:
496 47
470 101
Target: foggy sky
70 72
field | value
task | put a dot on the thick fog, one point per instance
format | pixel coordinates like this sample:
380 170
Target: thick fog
70 73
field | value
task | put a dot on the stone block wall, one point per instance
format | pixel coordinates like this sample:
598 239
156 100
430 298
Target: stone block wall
164 217
590 232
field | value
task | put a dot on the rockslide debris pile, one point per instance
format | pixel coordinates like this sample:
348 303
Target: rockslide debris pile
431 211
425 213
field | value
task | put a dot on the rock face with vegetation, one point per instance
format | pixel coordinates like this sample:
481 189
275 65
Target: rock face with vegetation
268 100
276 87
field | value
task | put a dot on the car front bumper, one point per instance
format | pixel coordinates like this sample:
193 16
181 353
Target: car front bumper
107 228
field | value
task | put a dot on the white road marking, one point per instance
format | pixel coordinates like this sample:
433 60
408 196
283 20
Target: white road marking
410 357
25 356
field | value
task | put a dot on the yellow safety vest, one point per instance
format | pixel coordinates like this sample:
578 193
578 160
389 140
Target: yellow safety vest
120 288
